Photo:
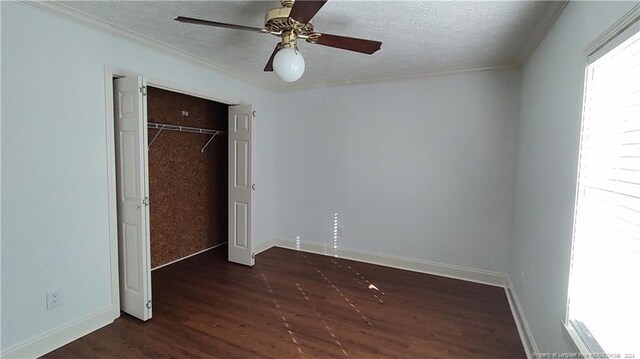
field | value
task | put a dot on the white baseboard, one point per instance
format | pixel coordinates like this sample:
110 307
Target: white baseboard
189 256
263 246
60 336
526 337
414 265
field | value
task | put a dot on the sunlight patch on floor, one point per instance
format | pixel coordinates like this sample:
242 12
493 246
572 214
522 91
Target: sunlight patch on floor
366 281
351 304
282 317
317 312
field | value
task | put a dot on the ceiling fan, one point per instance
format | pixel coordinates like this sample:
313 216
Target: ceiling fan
291 22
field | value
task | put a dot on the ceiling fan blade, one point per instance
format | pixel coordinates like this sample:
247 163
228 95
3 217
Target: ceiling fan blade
304 10
190 20
347 43
269 66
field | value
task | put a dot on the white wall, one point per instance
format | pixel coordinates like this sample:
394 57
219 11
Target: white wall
54 172
421 169
548 143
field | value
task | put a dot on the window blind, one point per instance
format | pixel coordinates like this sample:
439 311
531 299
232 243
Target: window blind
604 292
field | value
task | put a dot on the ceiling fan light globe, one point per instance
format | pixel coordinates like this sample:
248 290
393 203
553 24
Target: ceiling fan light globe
288 64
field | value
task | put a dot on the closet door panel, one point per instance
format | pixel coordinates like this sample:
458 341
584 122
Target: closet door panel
241 184
132 186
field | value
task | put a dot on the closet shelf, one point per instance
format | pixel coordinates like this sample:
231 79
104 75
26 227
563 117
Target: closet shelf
163 126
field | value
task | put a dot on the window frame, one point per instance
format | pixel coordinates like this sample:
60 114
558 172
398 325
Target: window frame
623 29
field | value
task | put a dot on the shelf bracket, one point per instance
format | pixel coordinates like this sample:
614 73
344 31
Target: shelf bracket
208 142
155 137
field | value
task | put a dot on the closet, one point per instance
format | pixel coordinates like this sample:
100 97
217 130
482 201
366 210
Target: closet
175 195
188 174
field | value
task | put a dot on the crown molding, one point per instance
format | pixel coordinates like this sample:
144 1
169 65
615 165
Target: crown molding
620 26
546 22
94 22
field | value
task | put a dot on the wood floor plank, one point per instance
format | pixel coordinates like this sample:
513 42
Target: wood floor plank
299 305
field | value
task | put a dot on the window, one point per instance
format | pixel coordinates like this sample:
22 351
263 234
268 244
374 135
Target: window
604 292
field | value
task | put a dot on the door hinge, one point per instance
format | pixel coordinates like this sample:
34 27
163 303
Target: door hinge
143 90
148 305
254 113
145 201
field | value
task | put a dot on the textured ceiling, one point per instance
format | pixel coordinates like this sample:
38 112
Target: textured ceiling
418 37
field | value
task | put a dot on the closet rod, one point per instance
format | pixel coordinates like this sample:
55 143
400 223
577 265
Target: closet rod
163 126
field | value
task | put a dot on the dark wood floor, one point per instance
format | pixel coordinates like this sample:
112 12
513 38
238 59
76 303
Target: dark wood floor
299 305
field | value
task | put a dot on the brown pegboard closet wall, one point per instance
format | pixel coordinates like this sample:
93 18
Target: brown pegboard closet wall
187 188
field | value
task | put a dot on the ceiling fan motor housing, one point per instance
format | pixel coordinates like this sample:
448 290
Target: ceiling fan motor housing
278 21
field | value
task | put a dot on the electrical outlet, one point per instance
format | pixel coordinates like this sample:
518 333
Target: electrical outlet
54 298
185 113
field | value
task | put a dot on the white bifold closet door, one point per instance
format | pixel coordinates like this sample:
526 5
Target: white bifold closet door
130 108
241 185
